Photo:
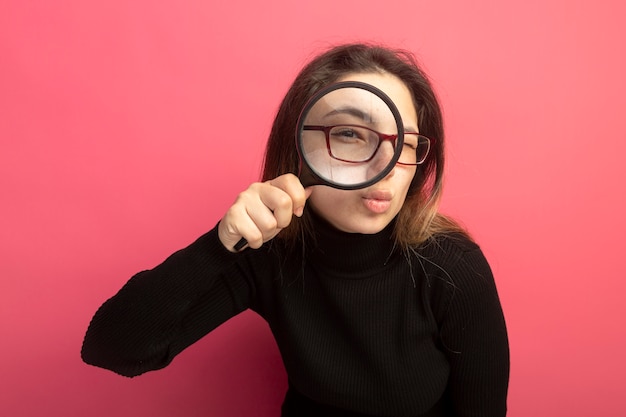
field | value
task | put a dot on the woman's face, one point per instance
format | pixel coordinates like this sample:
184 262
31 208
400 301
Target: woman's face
371 209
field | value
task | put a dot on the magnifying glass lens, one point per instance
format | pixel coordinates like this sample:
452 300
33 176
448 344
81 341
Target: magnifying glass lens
349 136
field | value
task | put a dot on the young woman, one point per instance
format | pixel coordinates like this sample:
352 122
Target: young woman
380 305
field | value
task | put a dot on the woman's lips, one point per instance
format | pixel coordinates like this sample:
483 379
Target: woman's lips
377 201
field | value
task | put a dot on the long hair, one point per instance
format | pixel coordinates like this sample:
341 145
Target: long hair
418 219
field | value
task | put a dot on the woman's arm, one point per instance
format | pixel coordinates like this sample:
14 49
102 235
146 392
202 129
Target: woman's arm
475 339
160 312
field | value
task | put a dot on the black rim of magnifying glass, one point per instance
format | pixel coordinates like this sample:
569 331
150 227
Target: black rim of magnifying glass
308 176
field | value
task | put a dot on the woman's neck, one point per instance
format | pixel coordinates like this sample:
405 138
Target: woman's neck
349 253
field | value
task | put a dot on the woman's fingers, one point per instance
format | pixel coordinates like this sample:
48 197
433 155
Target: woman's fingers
291 185
262 211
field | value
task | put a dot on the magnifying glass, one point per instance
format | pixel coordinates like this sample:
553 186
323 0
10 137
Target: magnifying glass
349 136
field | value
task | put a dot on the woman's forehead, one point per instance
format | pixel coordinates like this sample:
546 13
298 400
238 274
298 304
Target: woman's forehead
395 88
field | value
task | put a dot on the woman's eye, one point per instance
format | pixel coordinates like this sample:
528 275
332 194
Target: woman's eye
346 133
410 141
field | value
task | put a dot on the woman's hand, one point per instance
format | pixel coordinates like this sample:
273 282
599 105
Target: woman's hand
262 211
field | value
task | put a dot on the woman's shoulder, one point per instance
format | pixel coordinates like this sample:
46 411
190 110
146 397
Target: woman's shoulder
457 259
451 246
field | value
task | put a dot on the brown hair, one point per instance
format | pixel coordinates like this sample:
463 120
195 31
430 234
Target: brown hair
419 218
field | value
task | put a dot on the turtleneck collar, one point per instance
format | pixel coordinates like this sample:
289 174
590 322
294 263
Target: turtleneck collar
350 254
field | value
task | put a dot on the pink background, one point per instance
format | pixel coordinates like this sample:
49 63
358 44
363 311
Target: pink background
128 127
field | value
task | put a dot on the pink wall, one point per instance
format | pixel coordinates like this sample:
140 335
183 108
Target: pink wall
125 134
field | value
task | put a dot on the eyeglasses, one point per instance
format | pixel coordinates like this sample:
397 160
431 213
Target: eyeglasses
354 144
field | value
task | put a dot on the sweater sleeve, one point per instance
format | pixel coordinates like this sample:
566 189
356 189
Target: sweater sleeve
474 336
160 312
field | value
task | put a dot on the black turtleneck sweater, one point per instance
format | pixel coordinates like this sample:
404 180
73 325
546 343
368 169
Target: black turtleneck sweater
363 329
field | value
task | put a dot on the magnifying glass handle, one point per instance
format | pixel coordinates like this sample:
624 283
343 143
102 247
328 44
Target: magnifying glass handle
241 244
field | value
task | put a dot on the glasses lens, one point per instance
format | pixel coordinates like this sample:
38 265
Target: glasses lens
423 147
352 143
415 149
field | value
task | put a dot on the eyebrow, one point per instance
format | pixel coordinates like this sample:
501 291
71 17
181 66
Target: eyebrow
352 111
363 115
